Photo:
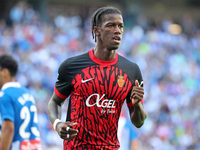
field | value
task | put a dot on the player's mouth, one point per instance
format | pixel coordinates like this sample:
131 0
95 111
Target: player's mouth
117 39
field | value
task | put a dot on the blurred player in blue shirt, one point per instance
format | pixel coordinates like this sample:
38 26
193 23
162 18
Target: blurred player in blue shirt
19 130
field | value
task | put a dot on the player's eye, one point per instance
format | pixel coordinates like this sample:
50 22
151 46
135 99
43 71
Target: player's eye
121 26
110 25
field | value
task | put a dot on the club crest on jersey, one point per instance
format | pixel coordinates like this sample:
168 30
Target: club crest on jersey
120 81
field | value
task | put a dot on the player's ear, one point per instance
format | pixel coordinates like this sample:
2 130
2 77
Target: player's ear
96 31
5 72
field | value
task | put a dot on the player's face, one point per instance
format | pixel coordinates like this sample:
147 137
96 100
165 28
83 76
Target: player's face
111 31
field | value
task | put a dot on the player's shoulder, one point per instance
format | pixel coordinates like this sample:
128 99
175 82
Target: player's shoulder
130 68
126 62
4 93
4 96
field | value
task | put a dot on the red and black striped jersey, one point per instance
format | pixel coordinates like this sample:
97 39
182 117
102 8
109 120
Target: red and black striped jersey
97 92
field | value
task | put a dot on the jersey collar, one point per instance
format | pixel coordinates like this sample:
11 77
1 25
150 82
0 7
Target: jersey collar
102 62
10 84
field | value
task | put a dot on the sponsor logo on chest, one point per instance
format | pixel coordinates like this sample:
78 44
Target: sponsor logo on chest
100 102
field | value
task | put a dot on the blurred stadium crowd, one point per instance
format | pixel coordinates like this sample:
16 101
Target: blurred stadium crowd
170 64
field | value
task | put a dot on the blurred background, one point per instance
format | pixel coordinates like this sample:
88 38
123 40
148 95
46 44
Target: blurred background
162 37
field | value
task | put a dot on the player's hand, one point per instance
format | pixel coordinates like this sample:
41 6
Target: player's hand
65 130
136 93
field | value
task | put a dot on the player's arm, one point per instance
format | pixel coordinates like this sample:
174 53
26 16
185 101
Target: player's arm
137 112
55 103
64 129
7 134
54 107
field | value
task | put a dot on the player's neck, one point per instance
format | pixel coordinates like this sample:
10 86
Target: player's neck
104 54
9 79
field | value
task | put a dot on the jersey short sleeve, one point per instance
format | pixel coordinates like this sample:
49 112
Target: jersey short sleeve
63 84
135 75
6 108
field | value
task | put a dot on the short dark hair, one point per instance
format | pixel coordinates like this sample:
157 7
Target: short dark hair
97 16
7 61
